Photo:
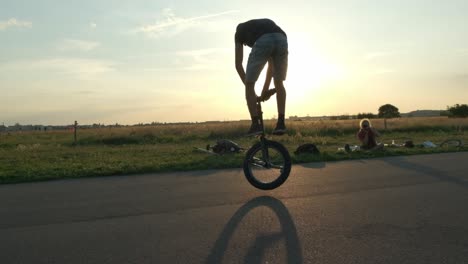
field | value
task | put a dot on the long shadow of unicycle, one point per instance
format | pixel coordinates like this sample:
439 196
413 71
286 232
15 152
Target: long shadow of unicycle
254 254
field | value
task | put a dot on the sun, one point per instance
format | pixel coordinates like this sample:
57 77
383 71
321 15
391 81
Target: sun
308 67
310 71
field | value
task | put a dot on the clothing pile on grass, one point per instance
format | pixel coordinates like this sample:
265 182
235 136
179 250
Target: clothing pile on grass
221 147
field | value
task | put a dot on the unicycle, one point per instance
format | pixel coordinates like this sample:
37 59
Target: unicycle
267 163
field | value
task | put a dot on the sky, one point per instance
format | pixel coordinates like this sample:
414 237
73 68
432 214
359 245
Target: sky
129 62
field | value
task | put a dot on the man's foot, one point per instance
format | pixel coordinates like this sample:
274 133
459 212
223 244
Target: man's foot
255 129
280 129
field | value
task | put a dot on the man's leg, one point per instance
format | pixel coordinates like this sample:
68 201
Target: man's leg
258 57
281 103
280 62
251 98
280 97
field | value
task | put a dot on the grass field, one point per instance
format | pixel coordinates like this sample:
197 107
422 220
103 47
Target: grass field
41 155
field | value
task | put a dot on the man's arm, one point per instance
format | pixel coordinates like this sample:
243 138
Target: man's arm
239 58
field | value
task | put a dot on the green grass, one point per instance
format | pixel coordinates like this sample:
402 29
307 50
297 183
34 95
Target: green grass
36 156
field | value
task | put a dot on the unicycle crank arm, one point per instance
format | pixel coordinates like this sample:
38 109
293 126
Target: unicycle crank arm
273 166
260 163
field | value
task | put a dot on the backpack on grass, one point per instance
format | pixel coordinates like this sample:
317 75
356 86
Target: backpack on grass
224 146
307 148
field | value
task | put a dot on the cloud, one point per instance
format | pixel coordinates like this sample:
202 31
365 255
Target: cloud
174 25
92 25
383 71
76 67
194 60
200 54
462 51
459 78
13 22
77 45
377 54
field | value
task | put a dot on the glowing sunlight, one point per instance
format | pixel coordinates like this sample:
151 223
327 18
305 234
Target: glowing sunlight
309 69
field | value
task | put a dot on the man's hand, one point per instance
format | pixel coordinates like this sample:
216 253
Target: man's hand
266 94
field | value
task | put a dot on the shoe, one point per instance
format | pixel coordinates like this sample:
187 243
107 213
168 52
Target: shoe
255 129
347 148
280 129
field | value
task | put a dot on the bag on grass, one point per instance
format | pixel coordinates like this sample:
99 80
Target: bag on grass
307 148
409 144
223 146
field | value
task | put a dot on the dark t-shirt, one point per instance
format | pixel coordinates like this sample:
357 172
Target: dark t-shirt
248 32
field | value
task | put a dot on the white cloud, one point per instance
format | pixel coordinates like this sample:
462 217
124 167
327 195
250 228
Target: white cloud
76 67
462 51
13 22
383 71
77 45
174 25
92 25
195 60
377 54
201 53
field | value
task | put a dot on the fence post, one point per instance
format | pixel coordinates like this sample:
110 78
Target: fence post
74 131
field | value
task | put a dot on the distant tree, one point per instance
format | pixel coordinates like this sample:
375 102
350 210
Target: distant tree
388 111
458 110
365 115
340 117
445 113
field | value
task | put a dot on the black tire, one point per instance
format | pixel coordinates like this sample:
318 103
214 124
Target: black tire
281 162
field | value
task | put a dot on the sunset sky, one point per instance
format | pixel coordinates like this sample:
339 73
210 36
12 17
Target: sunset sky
128 62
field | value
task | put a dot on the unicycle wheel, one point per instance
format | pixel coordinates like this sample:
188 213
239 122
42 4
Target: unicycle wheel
267 169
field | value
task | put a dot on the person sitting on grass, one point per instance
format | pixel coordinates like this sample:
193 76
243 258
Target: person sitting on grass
367 136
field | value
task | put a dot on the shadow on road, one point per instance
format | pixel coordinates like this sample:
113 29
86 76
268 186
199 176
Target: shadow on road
255 253
313 165
403 163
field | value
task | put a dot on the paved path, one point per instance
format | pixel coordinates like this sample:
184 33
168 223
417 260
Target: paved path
390 210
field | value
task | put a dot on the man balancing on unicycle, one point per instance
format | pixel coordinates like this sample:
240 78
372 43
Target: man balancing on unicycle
269 44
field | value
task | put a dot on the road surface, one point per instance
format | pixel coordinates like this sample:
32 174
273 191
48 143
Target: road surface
388 210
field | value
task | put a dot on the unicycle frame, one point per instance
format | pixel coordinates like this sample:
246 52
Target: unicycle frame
265 155
265 162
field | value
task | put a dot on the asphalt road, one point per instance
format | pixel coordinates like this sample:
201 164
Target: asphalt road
390 210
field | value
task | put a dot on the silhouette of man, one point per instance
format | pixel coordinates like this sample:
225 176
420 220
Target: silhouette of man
269 43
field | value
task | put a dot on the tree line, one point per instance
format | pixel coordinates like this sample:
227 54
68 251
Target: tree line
390 111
